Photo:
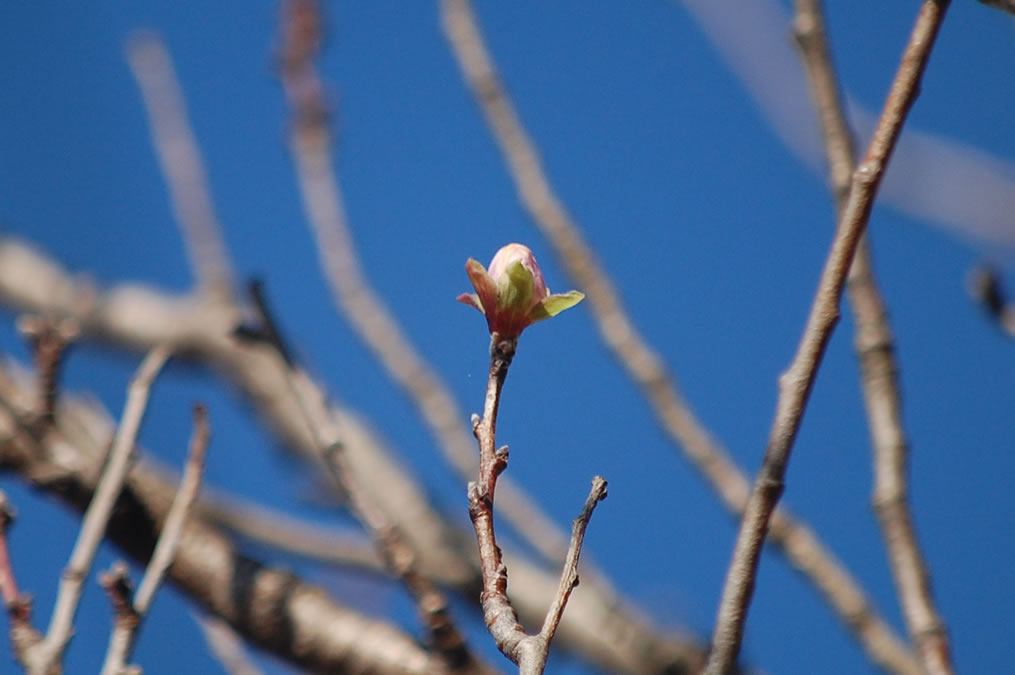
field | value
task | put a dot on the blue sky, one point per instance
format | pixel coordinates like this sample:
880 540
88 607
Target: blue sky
713 228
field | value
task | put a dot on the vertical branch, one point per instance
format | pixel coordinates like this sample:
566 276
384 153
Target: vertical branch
128 618
180 159
800 545
351 291
795 384
878 367
529 652
93 525
24 636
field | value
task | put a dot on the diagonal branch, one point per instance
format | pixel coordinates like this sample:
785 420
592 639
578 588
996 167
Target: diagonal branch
795 540
96 518
878 367
795 384
180 159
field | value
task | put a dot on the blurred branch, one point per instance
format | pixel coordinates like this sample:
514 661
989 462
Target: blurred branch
226 645
444 638
875 350
48 338
96 517
795 384
273 609
129 619
985 288
800 545
1003 5
356 300
180 159
24 636
529 652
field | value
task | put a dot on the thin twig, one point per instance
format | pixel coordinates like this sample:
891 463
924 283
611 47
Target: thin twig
24 636
878 368
96 518
226 645
49 339
1003 5
359 303
795 384
529 652
800 545
116 582
444 638
985 288
180 159
125 632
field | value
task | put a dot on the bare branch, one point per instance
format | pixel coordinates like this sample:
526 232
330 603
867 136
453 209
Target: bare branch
180 158
24 636
795 384
602 627
398 554
353 295
878 368
800 545
96 518
49 338
272 608
1003 5
119 588
125 631
529 652
226 645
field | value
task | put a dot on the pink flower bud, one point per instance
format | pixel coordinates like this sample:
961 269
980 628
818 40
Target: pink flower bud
513 294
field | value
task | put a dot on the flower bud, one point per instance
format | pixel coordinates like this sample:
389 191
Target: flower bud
513 294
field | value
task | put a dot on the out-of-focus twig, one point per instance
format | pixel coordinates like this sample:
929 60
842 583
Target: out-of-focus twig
356 300
24 636
180 158
876 352
985 288
800 545
49 338
226 645
129 619
795 384
1003 5
402 560
272 608
96 518
529 652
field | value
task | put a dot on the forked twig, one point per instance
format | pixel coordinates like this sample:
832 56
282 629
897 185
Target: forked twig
129 618
352 293
800 545
96 518
529 652
878 368
795 384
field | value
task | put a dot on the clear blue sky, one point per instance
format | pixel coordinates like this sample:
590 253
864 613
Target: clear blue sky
713 229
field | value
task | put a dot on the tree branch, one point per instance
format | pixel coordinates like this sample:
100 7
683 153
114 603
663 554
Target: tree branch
180 159
878 367
529 652
96 518
794 539
795 384
601 627
125 629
